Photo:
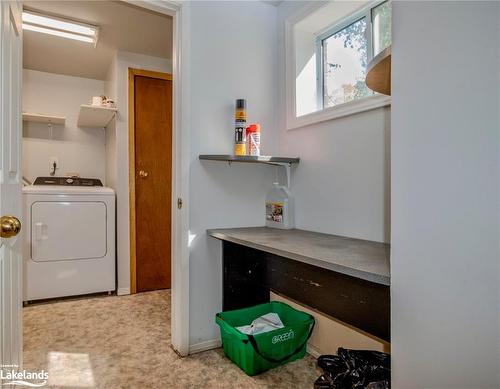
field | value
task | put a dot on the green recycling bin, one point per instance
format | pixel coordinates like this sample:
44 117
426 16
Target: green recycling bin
255 354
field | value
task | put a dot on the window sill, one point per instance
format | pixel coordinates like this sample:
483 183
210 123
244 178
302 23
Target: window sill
339 111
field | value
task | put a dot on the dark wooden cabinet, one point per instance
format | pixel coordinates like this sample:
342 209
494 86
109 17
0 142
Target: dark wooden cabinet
249 275
244 277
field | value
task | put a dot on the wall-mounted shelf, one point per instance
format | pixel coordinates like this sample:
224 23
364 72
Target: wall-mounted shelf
286 162
378 74
39 118
249 159
92 116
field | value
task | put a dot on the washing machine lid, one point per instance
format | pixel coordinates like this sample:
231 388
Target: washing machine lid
68 190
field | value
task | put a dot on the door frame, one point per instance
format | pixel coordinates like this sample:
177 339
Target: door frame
131 164
180 12
11 263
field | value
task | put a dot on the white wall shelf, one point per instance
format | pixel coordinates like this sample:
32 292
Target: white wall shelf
91 116
40 118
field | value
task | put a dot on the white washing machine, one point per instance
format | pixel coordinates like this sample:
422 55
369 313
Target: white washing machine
69 238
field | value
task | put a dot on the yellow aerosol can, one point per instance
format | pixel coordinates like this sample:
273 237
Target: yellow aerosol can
240 124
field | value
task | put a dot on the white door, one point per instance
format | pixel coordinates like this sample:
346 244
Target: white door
10 183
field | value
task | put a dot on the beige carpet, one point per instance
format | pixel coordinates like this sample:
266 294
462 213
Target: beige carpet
124 342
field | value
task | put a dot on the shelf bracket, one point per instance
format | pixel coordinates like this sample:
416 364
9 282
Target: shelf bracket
267 160
288 168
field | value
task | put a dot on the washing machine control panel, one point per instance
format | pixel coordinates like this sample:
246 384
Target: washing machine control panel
67 181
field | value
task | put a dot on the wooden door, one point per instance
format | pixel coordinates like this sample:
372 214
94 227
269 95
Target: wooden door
10 188
153 181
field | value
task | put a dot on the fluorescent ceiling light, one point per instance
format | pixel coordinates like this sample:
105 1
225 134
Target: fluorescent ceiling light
59 27
58 33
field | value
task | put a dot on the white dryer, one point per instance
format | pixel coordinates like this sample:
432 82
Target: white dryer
69 239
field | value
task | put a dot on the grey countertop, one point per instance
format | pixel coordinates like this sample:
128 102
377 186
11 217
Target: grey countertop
358 258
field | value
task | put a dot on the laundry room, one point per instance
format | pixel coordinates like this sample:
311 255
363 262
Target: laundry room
81 144
249 194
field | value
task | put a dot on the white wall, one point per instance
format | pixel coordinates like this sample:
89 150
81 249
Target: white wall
110 90
445 177
342 184
117 82
498 143
79 150
233 46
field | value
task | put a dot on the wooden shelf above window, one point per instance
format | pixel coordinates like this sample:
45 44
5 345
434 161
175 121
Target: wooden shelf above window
378 75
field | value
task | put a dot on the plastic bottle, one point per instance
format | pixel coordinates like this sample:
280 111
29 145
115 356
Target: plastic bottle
240 123
279 207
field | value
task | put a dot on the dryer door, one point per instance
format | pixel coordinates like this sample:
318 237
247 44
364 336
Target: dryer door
62 231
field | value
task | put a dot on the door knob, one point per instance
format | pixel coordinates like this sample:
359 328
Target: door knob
143 173
9 226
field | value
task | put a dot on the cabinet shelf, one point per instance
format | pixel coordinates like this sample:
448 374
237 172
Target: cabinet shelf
40 118
92 116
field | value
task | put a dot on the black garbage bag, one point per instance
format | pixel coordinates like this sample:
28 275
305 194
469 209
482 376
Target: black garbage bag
354 369
334 369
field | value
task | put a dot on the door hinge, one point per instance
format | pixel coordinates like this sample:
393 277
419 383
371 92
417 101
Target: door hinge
179 203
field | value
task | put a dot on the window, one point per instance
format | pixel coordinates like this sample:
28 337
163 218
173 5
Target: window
344 56
381 21
332 46
345 50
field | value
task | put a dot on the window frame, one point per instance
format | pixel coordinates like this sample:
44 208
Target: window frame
340 110
364 13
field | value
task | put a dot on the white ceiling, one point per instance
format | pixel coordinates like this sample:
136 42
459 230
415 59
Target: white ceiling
121 27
